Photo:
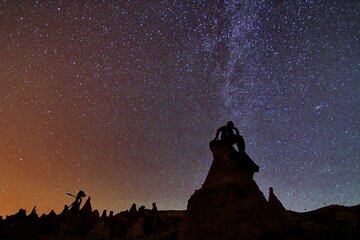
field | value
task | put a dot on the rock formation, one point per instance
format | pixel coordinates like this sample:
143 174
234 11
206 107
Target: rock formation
274 202
229 205
99 231
87 208
88 218
87 224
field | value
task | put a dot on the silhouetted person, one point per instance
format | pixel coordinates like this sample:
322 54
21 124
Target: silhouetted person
75 206
70 222
229 135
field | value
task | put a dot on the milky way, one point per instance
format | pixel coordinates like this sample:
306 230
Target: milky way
121 98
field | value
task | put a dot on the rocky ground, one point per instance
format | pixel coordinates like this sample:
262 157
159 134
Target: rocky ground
228 206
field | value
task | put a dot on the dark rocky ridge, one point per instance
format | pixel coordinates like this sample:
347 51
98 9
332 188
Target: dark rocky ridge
87 224
228 206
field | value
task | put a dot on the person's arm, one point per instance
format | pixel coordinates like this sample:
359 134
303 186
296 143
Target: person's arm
217 133
236 131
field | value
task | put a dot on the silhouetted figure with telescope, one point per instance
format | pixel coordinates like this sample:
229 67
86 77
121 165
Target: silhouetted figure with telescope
70 222
75 206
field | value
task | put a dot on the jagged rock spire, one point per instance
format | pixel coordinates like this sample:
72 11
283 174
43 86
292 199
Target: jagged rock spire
229 205
274 202
87 206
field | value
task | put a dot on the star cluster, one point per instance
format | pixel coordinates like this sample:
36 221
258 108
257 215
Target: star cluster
120 99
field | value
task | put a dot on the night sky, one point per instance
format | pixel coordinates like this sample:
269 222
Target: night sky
121 98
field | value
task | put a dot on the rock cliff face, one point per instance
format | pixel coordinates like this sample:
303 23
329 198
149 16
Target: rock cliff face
229 205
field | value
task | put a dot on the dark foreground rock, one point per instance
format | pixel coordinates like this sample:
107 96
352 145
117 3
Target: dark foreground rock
88 224
230 206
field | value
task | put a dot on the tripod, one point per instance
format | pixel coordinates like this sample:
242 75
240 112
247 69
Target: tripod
71 218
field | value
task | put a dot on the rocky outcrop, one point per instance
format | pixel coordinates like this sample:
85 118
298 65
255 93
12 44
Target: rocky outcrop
87 208
274 203
87 224
99 231
137 229
229 205
88 218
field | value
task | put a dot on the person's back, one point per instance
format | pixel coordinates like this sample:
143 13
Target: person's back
226 132
75 206
229 134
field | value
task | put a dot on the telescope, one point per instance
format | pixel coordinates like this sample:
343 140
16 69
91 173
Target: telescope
70 194
80 194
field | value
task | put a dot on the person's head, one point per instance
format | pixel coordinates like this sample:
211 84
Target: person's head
81 194
230 124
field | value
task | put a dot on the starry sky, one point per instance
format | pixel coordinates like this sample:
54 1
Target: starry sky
121 98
